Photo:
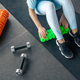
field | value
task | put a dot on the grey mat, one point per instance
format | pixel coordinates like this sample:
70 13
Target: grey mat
76 4
42 65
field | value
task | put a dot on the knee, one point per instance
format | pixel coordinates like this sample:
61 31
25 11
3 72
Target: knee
50 6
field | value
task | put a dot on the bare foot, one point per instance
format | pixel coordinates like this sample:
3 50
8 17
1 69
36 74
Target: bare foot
63 21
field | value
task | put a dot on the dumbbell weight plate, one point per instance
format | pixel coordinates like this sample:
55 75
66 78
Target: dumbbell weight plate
19 71
28 45
24 55
12 49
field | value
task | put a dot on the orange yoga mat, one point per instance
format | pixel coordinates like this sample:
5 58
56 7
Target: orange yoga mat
4 14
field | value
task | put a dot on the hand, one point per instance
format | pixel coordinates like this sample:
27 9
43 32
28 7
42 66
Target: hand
63 21
42 32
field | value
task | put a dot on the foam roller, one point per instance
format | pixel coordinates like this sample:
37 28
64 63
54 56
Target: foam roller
3 19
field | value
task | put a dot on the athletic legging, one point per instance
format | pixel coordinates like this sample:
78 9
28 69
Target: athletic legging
48 8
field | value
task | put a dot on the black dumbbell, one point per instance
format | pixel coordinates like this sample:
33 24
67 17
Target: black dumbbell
24 58
13 49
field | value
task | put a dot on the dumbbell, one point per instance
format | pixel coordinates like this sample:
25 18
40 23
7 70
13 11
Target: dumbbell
24 58
13 49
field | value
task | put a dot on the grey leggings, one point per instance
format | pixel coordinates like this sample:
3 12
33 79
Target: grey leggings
48 8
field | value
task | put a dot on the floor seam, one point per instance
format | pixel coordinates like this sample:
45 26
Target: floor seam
13 39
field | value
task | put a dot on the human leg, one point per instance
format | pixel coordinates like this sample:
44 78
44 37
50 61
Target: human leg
47 8
69 13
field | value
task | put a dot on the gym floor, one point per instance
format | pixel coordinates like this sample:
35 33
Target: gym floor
44 59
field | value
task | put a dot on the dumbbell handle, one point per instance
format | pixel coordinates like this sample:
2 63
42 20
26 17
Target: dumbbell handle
21 47
22 63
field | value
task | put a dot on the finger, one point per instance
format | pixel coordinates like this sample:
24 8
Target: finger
66 25
40 35
63 25
44 35
46 32
59 23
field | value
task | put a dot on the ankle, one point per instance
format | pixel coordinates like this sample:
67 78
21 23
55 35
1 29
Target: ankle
61 40
74 31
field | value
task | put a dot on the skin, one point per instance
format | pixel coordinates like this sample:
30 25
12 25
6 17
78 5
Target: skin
64 22
42 31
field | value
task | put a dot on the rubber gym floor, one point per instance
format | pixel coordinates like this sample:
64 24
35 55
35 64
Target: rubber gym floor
45 61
